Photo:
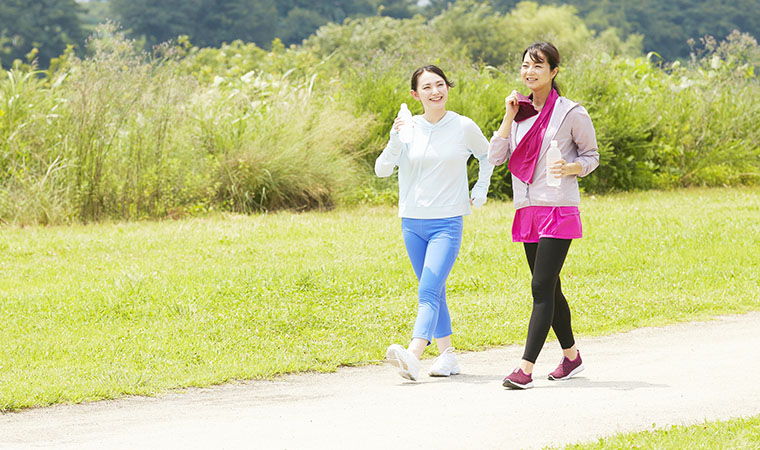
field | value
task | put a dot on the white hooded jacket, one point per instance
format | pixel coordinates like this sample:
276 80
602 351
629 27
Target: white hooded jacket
432 174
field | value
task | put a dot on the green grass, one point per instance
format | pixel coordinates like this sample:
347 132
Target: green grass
101 311
736 434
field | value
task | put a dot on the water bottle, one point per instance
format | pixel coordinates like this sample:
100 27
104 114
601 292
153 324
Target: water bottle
406 132
552 157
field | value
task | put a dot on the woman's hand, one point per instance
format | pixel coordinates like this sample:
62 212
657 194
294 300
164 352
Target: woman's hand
562 168
510 111
397 124
511 106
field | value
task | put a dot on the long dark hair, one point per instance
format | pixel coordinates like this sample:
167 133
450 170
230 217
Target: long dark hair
552 57
435 69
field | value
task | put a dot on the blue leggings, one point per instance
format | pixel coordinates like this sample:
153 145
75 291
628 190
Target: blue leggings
433 246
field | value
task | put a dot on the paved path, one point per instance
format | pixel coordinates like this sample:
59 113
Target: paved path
680 374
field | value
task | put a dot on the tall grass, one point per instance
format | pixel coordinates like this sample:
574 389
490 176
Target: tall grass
292 154
122 113
123 134
31 188
126 135
679 125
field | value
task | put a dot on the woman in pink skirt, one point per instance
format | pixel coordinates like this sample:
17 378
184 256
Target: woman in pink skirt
547 218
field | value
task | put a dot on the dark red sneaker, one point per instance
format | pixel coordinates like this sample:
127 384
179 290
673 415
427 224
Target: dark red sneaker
567 368
518 380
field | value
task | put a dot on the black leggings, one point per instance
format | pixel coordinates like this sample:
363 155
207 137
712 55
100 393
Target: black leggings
550 308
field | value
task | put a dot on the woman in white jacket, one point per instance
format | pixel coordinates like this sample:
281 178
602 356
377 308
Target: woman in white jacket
433 198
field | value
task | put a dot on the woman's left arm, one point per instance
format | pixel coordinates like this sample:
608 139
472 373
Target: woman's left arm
478 145
584 136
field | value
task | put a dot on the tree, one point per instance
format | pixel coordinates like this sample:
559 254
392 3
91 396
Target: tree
207 22
94 12
301 18
157 21
299 24
228 20
400 9
667 26
47 25
503 6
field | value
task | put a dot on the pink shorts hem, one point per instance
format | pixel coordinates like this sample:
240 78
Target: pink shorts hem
535 222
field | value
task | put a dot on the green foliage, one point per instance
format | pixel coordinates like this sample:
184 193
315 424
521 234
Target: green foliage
228 20
213 22
496 38
207 22
127 135
156 21
686 125
400 9
299 24
667 27
617 94
371 42
33 186
93 13
708 135
279 146
123 134
236 59
663 27
120 118
38 30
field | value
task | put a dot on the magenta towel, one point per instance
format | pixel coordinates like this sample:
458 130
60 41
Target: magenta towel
522 163
525 108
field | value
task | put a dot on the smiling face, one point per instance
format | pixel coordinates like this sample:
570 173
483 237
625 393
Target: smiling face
536 72
432 91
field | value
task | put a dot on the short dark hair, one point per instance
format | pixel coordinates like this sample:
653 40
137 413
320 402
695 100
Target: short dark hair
552 57
431 68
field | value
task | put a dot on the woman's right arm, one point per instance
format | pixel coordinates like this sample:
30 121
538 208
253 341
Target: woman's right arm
499 149
388 159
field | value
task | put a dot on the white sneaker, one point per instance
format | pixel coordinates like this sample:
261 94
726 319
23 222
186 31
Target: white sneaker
445 364
407 363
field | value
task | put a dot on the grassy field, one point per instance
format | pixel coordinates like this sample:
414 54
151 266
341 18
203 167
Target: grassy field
736 434
100 311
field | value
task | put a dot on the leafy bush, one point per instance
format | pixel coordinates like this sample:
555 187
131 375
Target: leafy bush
283 149
496 39
617 94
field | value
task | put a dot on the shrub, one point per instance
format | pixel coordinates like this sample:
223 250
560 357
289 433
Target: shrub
121 134
284 149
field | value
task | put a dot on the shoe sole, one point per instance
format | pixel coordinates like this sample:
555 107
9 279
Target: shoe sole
454 371
512 385
572 373
403 368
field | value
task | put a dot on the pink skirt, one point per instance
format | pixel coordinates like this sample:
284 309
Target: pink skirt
534 222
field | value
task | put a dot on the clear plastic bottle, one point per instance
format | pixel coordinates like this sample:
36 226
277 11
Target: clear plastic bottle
552 156
406 132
